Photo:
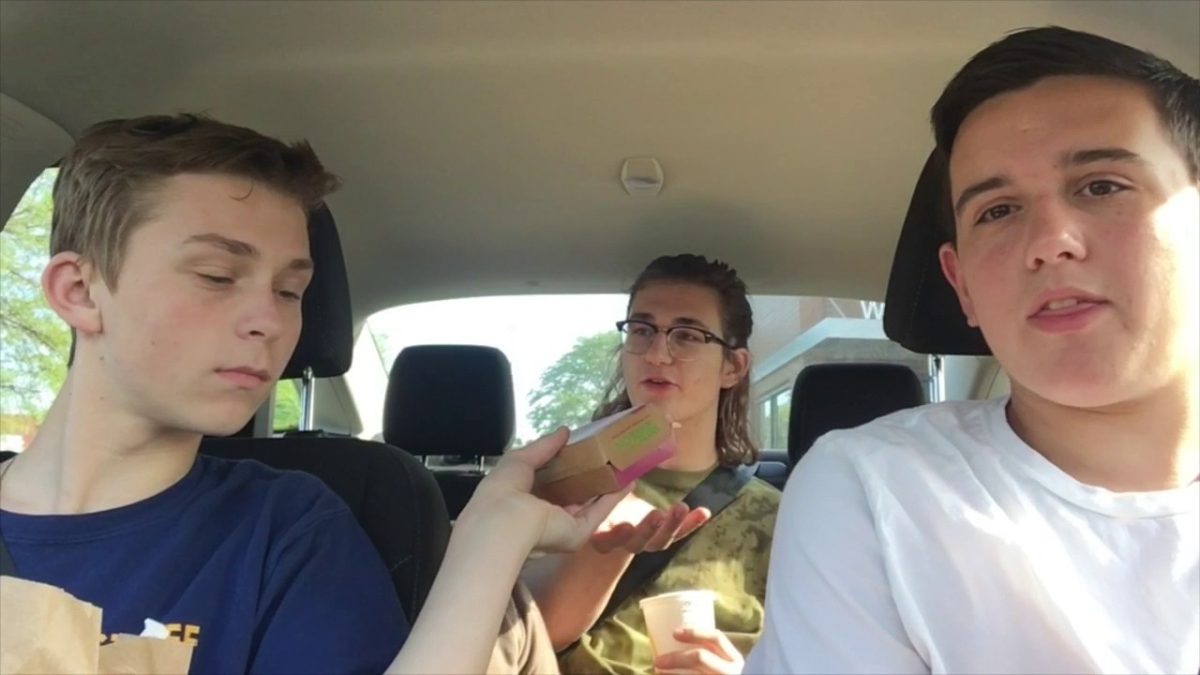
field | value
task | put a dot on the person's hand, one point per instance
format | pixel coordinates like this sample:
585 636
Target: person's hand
711 652
635 526
503 499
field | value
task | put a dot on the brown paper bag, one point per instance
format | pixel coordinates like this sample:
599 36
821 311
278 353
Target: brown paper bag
44 629
133 655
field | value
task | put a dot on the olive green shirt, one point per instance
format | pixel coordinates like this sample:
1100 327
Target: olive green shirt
728 555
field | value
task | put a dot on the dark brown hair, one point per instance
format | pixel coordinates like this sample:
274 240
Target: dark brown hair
1024 57
106 182
734 443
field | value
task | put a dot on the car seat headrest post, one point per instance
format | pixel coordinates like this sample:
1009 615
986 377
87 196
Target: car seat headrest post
307 400
937 378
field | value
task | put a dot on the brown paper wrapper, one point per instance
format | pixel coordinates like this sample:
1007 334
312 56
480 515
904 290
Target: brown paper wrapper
44 629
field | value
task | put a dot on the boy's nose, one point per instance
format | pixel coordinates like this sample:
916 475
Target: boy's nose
1055 235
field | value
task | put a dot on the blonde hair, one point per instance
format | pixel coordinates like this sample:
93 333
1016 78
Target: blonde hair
106 182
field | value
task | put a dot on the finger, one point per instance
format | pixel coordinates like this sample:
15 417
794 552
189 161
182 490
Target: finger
643 532
692 522
665 534
606 542
542 450
592 514
711 639
694 660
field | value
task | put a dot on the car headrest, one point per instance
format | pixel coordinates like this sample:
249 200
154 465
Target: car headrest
450 400
830 396
327 337
922 312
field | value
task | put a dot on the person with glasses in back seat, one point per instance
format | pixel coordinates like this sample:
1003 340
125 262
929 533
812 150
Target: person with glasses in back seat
1054 530
179 258
689 321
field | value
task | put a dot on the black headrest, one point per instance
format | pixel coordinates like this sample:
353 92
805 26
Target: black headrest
327 337
450 400
922 312
830 396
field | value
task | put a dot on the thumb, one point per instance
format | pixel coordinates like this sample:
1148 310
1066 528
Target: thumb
543 449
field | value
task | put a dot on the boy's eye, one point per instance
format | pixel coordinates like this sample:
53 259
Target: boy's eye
995 213
215 279
640 331
290 296
1102 188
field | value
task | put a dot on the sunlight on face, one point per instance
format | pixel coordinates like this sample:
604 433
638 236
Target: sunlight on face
1184 207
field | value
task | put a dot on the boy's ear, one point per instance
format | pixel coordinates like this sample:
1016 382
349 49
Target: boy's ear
735 367
68 282
948 256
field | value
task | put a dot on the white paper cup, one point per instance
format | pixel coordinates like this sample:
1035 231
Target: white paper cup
669 612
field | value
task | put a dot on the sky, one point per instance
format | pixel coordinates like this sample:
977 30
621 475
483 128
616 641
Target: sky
533 331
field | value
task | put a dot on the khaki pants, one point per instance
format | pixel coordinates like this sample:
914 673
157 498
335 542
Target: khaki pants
523 647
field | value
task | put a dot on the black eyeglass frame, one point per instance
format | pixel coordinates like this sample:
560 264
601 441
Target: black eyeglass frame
709 336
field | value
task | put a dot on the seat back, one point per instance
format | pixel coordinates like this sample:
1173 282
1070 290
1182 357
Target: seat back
922 312
451 400
390 493
773 467
393 496
830 396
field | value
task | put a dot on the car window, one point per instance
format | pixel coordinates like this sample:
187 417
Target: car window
562 350
34 342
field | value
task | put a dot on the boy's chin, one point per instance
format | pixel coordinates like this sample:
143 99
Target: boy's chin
220 423
1074 389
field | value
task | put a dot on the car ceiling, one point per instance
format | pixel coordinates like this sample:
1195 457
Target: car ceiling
481 143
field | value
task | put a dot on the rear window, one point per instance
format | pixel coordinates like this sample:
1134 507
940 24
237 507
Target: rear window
562 350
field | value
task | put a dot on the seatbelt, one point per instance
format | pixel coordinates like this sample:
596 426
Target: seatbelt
714 493
7 567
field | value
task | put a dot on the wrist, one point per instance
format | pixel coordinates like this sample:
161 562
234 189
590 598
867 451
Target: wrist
507 525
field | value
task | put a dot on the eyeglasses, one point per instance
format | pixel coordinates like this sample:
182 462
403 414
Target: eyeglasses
684 343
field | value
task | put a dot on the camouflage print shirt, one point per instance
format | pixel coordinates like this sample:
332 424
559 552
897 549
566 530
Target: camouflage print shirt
728 555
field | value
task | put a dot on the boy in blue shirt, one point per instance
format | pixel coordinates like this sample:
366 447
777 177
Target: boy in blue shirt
179 258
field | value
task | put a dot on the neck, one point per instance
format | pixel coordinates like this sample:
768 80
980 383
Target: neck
695 443
1136 446
89 455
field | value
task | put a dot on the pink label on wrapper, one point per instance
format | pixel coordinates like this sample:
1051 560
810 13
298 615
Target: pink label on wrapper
644 465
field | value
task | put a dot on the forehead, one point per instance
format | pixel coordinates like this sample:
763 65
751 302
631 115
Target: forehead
667 301
1044 121
186 205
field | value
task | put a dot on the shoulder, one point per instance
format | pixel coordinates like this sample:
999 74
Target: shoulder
758 495
291 499
926 437
931 457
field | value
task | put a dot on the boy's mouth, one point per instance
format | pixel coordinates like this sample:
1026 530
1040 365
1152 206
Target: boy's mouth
245 376
1065 304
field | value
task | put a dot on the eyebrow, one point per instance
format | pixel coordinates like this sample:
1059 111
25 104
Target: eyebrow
1100 155
242 249
979 188
681 321
1077 158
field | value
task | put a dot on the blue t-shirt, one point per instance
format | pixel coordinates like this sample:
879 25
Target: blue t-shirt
264 571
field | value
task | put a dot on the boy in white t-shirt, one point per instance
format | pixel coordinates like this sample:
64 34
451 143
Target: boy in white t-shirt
1055 530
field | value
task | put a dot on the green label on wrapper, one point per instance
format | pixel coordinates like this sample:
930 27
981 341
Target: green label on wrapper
638 435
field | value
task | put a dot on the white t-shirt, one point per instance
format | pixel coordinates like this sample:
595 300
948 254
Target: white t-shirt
935 540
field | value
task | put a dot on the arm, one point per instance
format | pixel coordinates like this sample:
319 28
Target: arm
572 589
829 606
502 523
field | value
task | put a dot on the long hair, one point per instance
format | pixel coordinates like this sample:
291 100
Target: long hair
734 443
